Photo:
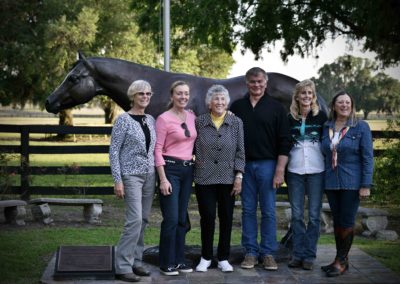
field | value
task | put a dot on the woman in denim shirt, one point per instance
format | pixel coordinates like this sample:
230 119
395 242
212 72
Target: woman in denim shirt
347 146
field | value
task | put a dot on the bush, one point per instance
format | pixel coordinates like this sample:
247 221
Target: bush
387 170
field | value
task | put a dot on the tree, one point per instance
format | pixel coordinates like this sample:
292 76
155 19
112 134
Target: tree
46 35
355 75
387 91
303 25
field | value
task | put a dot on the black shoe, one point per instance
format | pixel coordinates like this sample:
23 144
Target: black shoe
169 271
326 268
128 277
182 267
294 263
140 271
334 271
307 265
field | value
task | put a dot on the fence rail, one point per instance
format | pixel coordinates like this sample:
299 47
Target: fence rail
25 150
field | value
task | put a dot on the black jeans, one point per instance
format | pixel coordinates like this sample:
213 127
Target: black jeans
174 212
344 206
207 198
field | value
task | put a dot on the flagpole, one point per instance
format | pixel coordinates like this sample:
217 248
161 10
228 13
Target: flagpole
166 34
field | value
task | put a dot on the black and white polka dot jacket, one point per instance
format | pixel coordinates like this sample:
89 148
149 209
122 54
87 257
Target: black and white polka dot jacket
219 153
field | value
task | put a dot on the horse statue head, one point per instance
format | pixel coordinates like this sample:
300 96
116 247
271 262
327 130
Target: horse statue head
78 87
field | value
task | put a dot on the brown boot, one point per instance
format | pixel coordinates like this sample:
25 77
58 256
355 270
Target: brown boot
341 264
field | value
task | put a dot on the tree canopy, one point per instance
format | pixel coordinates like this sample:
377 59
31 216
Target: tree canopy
357 76
303 25
40 39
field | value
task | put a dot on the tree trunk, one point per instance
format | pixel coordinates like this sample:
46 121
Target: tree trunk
110 111
365 114
65 118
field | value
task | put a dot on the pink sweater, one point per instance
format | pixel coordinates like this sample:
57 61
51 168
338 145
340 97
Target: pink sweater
171 140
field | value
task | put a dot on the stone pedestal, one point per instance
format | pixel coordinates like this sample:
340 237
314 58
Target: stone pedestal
84 262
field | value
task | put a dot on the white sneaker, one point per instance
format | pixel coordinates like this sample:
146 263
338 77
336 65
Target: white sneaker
225 266
203 265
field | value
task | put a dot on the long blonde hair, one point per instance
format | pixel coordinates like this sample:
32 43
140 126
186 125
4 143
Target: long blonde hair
171 91
295 106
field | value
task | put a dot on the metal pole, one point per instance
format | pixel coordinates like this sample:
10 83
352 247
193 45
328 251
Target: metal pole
166 34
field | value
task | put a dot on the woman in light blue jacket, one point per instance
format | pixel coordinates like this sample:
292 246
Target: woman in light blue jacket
348 150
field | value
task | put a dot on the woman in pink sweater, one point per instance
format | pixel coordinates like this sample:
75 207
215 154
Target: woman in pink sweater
176 134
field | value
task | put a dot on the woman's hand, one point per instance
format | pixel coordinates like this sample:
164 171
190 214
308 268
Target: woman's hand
165 187
364 193
119 190
237 186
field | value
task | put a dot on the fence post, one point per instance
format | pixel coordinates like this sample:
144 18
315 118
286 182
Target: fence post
25 194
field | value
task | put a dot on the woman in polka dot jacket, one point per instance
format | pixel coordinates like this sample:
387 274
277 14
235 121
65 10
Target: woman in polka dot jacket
219 164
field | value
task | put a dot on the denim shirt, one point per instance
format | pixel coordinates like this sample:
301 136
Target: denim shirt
354 157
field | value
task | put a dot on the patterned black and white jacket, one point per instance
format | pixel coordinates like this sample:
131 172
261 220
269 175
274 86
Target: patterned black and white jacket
219 153
128 153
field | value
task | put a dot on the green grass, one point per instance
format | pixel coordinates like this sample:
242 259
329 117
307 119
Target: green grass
25 253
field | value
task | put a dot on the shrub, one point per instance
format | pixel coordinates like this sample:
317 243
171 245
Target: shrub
387 170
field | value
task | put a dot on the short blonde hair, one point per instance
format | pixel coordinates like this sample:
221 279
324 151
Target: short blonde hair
136 87
295 106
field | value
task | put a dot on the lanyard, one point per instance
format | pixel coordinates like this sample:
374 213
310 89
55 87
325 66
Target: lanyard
342 133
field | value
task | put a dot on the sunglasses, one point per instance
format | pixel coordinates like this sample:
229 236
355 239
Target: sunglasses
149 94
187 132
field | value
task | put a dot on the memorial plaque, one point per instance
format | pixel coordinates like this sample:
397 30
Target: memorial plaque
85 262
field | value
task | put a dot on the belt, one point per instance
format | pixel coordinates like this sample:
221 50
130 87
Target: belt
174 161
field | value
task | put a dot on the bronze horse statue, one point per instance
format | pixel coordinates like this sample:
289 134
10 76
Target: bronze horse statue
111 77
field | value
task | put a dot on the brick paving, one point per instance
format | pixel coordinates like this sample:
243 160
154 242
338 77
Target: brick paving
363 269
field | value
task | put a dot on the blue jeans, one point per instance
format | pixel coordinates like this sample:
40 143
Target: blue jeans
258 188
174 212
305 238
344 206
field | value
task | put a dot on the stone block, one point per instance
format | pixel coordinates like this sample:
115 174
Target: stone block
386 235
374 223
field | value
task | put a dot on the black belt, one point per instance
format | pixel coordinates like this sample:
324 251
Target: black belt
174 161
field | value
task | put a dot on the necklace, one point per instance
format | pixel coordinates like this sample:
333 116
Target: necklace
339 125
181 116
144 121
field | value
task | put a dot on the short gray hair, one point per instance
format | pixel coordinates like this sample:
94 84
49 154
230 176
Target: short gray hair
136 87
217 89
255 71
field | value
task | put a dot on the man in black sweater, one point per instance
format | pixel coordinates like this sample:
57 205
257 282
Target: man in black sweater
266 140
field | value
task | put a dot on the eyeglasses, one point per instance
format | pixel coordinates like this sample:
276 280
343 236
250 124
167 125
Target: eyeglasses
149 94
184 126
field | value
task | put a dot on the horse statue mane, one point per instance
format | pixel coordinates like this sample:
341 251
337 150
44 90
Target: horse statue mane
111 77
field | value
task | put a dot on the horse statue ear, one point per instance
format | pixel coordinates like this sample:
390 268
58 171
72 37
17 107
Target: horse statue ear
89 65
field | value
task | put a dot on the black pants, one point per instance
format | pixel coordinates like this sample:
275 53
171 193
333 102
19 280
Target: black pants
208 196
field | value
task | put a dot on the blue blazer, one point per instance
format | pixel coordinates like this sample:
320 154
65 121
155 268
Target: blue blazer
355 159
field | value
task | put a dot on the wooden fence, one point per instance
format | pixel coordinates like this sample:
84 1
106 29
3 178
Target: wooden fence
25 150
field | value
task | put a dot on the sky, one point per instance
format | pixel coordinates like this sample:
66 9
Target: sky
302 68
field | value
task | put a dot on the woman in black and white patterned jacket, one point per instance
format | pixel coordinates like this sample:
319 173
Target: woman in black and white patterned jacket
132 166
219 166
